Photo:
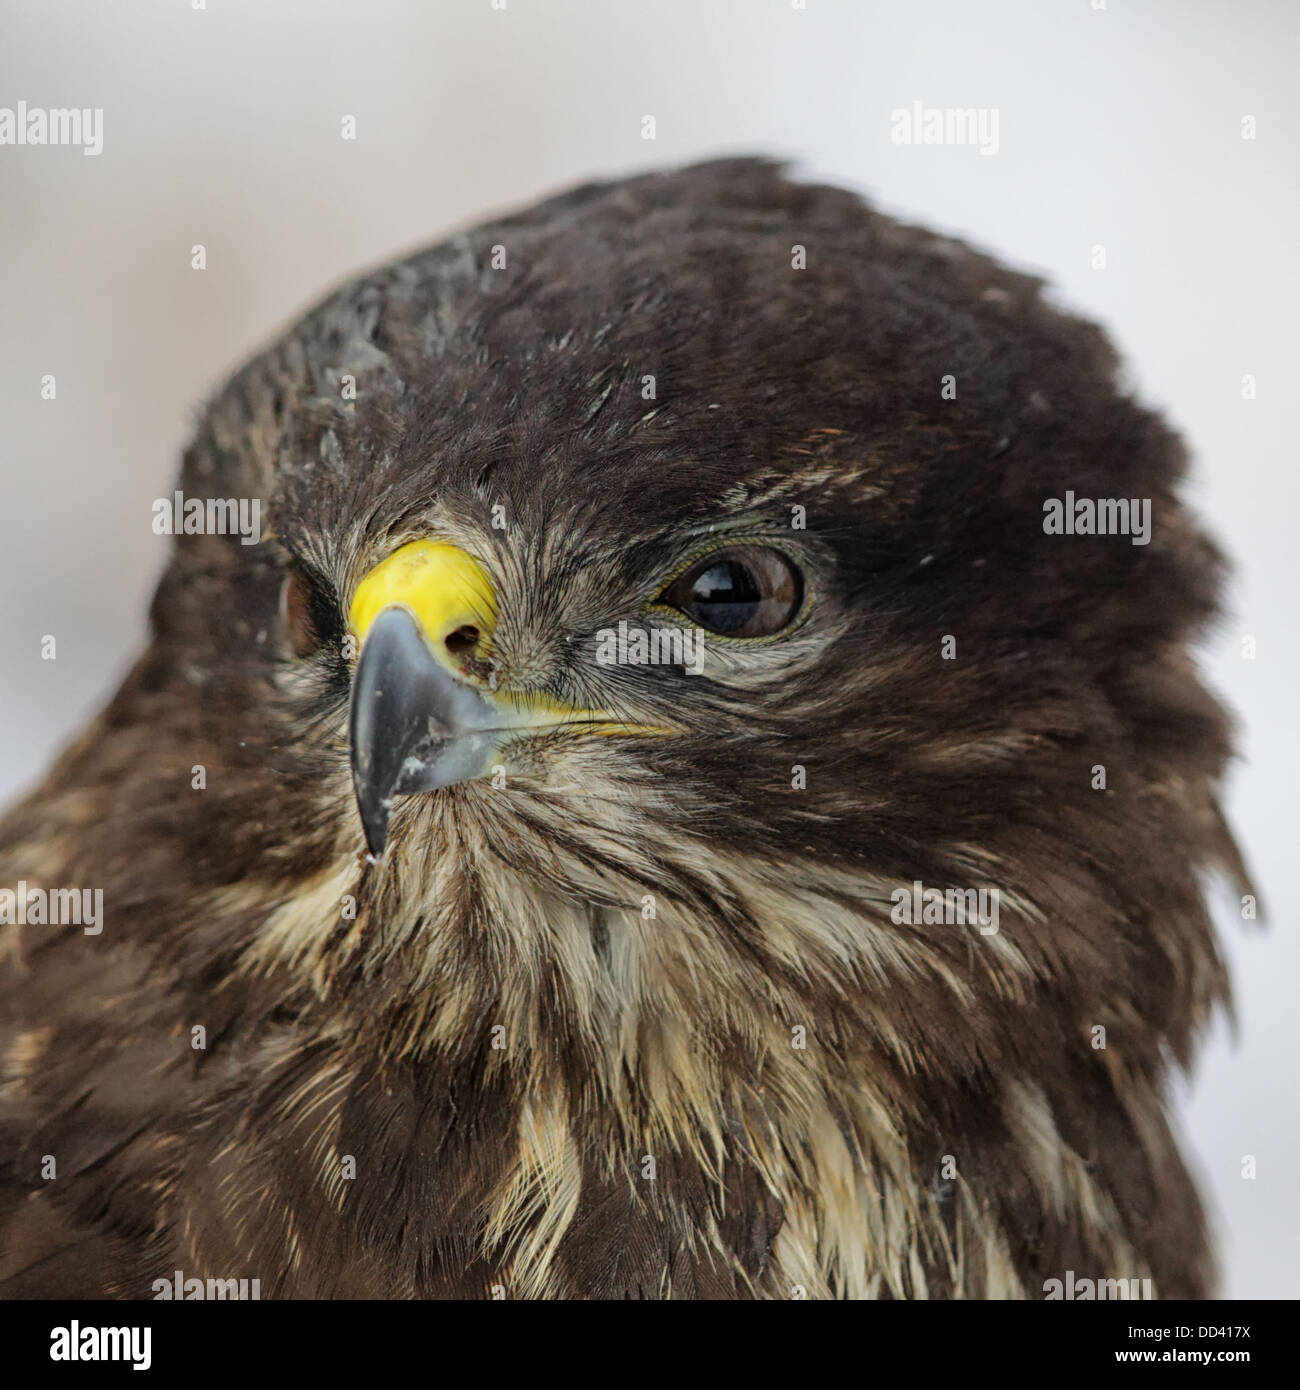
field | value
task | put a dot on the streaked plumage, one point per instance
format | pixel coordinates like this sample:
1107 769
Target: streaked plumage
948 1127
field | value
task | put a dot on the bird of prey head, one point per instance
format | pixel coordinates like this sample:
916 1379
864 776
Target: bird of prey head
536 867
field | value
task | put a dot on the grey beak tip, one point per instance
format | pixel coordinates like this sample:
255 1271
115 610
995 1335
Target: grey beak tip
376 837
412 725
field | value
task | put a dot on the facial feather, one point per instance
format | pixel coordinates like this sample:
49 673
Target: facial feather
636 1018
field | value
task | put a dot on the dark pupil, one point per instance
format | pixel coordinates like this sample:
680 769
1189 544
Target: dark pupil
726 596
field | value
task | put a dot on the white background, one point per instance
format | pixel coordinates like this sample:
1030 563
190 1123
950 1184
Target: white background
1119 127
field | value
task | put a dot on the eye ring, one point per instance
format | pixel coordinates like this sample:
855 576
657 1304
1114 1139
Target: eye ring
738 592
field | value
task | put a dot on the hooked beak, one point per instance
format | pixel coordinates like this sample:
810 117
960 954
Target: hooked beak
412 726
421 716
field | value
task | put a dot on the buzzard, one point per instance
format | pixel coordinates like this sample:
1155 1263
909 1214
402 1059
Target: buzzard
667 807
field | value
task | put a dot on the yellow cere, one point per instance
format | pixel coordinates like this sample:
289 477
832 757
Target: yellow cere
444 588
441 586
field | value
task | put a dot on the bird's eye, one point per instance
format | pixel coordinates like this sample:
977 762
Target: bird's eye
296 614
752 591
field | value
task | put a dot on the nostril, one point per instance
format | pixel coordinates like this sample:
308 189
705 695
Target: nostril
463 641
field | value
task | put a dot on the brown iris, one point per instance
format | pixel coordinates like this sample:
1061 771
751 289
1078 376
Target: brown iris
296 614
747 591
